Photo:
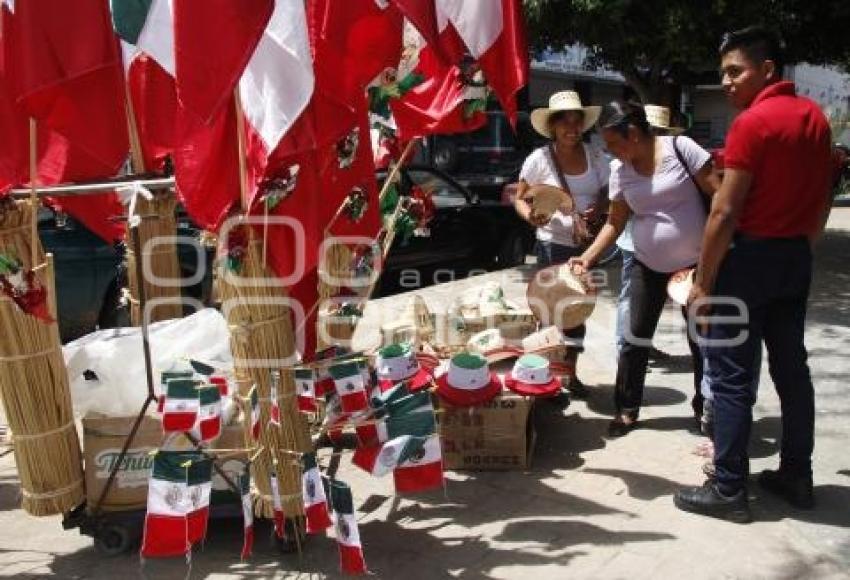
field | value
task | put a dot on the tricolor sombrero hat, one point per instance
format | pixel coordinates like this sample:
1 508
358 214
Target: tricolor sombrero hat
468 382
492 345
531 377
396 363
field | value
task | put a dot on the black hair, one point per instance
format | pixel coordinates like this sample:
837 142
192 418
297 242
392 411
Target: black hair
758 44
619 115
558 115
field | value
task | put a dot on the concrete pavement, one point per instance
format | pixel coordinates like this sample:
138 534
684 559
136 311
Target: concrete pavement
588 507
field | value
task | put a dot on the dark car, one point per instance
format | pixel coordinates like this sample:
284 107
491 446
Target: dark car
90 273
486 159
467 234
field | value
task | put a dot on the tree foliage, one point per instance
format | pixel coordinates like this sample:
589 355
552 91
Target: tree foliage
658 43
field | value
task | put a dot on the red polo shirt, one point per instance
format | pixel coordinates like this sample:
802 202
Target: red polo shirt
784 141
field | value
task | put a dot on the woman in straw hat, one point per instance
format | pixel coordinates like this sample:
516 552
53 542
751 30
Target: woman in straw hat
654 181
570 164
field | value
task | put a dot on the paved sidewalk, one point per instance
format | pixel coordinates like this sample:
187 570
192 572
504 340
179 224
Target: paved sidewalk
588 508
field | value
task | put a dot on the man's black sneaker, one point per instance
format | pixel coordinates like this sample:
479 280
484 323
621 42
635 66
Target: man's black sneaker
796 490
708 501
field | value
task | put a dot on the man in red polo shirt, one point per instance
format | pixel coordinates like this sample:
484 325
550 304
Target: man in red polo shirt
756 265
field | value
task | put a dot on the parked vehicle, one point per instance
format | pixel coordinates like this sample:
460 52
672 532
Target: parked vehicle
466 234
486 159
90 273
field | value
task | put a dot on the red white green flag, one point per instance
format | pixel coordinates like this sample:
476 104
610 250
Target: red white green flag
146 30
178 503
305 386
254 402
180 410
422 470
277 504
494 34
381 460
347 531
209 413
247 513
351 386
315 500
274 399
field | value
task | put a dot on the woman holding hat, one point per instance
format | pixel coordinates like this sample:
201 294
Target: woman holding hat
654 181
570 164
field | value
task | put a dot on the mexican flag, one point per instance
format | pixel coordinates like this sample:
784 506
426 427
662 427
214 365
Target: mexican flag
274 402
254 402
178 503
53 96
347 532
146 30
278 507
351 386
247 514
305 385
381 460
199 489
313 493
494 34
422 470
209 413
180 410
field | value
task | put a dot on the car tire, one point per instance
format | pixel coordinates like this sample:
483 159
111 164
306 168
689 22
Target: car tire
512 253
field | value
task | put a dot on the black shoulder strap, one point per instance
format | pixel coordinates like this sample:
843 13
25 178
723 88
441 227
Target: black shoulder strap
702 195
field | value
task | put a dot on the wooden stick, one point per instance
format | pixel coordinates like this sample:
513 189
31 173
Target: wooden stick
33 194
137 160
240 142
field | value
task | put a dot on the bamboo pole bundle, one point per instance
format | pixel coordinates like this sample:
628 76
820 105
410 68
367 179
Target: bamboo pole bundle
162 259
335 266
262 339
34 384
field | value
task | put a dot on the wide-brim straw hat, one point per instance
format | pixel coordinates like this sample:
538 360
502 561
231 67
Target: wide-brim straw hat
680 284
547 199
468 381
563 101
558 297
531 377
658 117
492 345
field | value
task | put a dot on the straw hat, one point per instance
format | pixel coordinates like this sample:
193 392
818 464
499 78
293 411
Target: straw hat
558 297
491 344
397 363
563 101
531 377
680 284
468 381
547 199
659 118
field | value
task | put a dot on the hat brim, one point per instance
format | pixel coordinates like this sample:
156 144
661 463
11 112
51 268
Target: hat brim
529 390
468 398
540 118
421 380
668 130
500 354
542 300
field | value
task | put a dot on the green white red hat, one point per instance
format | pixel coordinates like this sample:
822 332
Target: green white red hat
532 377
398 363
468 381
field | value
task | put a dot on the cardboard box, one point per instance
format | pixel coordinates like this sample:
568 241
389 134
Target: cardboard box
103 439
497 436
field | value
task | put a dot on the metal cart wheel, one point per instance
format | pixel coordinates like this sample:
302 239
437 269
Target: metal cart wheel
114 539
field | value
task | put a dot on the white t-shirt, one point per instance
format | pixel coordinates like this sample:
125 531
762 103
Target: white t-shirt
668 214
537 170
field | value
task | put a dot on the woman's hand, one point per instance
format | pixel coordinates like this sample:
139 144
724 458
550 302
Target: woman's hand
579 265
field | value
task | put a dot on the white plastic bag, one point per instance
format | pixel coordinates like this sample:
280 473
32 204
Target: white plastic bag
116 359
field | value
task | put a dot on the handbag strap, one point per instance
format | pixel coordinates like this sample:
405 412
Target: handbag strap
556 169
704 198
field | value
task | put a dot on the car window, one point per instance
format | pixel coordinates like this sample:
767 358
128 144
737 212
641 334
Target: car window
443 193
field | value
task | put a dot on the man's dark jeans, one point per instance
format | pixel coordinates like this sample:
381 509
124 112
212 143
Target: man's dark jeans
647 295
772 278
